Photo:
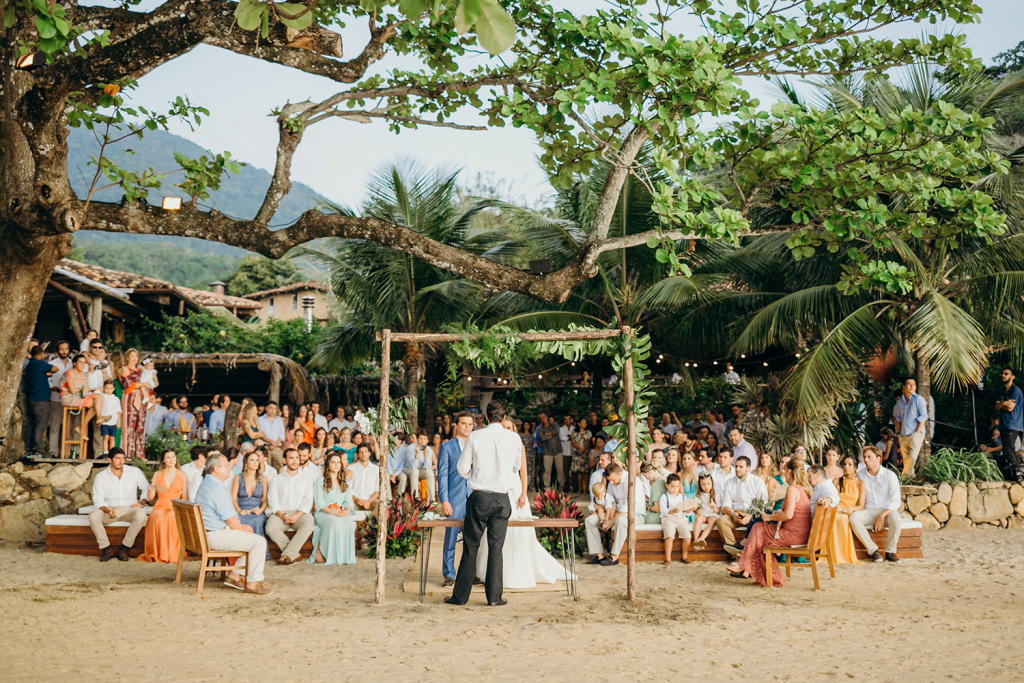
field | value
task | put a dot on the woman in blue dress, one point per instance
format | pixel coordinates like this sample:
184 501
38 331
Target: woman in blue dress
334 536
249 494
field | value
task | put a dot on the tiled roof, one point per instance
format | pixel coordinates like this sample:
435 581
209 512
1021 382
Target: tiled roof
204 298
308 284
113 278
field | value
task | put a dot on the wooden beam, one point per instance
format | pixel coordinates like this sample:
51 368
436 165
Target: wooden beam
384 440
627 372
399 337
96 315
274 392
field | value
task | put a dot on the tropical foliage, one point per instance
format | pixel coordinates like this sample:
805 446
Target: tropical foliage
951 466
256 273
554 504
402 535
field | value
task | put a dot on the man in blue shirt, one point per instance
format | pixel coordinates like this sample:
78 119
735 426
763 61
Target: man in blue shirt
225 532
911 417
36 377
216 423
1011 423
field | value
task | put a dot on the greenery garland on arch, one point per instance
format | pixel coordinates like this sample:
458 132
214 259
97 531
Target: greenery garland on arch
501 350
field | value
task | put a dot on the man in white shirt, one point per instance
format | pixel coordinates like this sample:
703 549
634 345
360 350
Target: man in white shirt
115 493
289 505
824 491
490 460
62 361
730 376
714 426
307 468
364 479
273 428
193 471
597 475
669 424
341 421
565 433
269 471
318 419
740 492
740 447
616 521
881 502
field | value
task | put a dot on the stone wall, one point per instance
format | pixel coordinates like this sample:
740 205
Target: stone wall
28 495
996 504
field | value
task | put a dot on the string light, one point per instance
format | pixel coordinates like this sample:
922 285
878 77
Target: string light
743 355
765 364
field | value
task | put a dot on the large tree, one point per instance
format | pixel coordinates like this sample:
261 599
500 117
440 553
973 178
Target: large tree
582 82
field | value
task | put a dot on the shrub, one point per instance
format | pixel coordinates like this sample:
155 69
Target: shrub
947 465
162 439
557 505
403 536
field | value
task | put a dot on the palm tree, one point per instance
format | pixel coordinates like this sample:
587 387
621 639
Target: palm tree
380 288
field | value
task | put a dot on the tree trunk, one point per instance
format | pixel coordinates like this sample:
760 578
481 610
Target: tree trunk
597 392
413 362
923 377
434 371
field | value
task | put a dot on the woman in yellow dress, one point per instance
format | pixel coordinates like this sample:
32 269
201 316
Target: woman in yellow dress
851 499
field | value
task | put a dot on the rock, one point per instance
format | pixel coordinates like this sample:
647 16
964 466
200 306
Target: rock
927 521
1002 523
918 504
18 468
66 477
44 492
906 515
972 489
934 499
7 484
84 470
945 493
1016 493
22 497
958 523
25 522
940 512
1016 522
990 485
34 475
991 506
79 499
64 506
1020 508
45 467
88 485
918 490
958 502
903 506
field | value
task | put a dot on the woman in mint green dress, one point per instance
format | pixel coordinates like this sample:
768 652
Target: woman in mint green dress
334 536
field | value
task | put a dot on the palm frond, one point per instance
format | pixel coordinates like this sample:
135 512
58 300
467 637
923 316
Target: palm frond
950 339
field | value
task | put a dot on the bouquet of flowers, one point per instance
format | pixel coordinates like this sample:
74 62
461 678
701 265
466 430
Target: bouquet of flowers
759 507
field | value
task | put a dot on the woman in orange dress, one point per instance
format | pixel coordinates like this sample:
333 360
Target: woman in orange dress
851 499
162 542
308 425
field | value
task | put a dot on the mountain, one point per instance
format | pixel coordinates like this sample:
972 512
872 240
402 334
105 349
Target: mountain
184 261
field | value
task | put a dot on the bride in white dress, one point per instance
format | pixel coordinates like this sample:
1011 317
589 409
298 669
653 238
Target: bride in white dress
525 563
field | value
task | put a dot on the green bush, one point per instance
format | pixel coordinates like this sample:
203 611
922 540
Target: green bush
162 439
947 465
403 536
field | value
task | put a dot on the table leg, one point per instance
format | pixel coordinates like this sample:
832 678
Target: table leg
423 587
565 560
575 576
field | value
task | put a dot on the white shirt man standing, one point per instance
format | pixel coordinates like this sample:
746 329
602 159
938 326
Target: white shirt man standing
669 424
881 502
115 493
318 419
289 502
740 492
272 427
193 471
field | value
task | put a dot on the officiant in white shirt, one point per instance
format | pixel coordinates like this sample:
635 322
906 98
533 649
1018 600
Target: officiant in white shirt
490 460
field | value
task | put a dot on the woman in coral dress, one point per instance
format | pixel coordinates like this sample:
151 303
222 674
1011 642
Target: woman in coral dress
851 499
162 542
793 529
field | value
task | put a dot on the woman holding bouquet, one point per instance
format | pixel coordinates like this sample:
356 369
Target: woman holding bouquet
793 528
334 537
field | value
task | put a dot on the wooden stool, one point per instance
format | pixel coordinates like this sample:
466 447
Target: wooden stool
66 431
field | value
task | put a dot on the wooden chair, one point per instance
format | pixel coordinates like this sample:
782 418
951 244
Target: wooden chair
192 533
67 431
819 546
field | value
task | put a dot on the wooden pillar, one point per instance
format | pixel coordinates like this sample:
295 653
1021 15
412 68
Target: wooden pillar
229 436
627 378
384 441
96 315
274 392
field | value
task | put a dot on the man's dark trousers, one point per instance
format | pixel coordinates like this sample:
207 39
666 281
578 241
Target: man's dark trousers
1009 463
490 511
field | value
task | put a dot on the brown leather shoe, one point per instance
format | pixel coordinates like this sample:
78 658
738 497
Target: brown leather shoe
284 561
259 590
122 553
447 583
234 583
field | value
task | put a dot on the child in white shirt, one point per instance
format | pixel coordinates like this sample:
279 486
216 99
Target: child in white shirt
148 382
601 502
708 512
110 416
674 519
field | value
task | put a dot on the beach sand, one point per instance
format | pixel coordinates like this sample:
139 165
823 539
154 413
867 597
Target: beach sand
955 615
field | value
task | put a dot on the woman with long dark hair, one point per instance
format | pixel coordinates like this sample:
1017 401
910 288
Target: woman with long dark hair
334 536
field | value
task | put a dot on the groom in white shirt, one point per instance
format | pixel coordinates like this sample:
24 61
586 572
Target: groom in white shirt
490 461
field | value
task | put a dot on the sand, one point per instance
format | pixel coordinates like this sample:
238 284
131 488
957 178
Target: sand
955 615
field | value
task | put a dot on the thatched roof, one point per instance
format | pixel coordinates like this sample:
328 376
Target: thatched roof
293 379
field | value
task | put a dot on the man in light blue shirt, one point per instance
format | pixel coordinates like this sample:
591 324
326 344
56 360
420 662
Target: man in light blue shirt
273 428
225 532
910 415
396 466
216 425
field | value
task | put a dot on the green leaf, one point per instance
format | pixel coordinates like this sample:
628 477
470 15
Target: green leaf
299 24
266 23
62 26
248 14
9 17
494 28
46 27
412 8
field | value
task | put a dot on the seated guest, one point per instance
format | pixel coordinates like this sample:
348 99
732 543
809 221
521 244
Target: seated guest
306 466
249 490
419 462
851 499
225 532
365 484
823 491
598 476
266 469
115 493
290 501
674 510
740 492
794 526
334 537
653 482
767 472
881 502
162 542
193 471
396 465
707 514
272 427
617 494
832 469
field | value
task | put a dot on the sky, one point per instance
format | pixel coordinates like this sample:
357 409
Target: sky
336 157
